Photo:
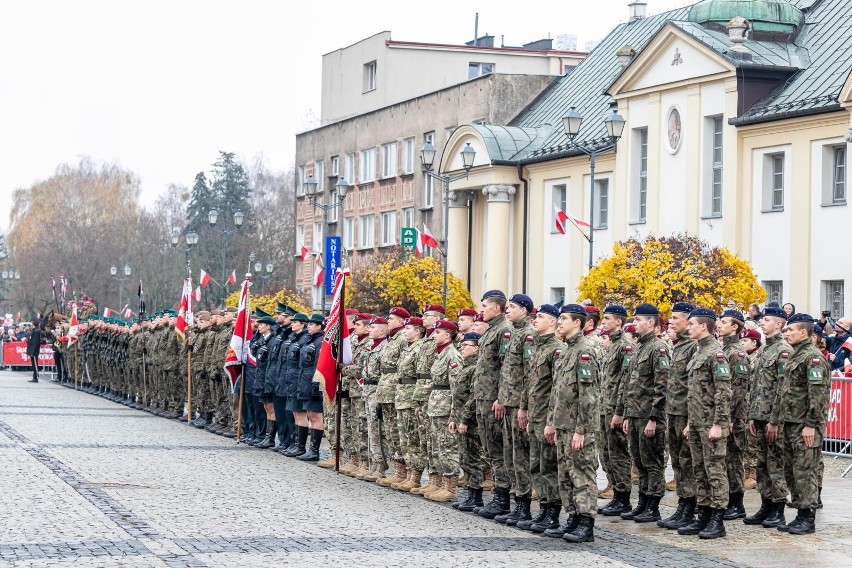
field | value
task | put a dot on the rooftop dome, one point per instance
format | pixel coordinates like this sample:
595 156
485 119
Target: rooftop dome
773 16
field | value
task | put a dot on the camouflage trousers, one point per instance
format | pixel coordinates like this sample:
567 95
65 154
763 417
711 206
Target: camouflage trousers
390 432
374 427
345 424
409 439
470 456
750 453
647 454
360 436
424 438
544 470
224 412
329 425
578 485
614 453
491 434
445 449
734 460
681 455
770 465
802 465
708 463
516 453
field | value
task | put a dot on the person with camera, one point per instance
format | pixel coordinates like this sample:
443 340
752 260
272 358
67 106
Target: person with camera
837 353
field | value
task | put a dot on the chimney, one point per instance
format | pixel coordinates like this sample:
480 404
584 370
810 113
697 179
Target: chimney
625 55
638 10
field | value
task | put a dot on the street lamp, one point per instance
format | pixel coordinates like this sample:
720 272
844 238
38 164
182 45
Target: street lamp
258 269
614 124
427 156
113 270
11 275
191 239
342 187
212 218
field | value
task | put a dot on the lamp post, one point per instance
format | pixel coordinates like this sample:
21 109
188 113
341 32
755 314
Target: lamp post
113 270
191 240
342 187
258 269
212 217
427 156
614 124
11 275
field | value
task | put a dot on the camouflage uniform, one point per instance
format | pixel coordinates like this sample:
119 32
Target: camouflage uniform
445 454
676 410
643 398
359 415
768 369
464 412
750 453
422 390
740 366
409 432
371 373
486 381
613 444
516 452
544 470
385 393
574 410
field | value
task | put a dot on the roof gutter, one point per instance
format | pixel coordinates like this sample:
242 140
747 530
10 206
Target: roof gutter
745 120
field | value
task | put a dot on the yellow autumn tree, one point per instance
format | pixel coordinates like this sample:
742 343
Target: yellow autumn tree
268 302
667 270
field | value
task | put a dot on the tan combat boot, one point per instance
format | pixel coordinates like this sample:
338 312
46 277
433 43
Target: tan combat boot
606 493
377 473
363 470
350 466
411 482
429 485
435 484
488 483
399 474
328 463
447 492
751 478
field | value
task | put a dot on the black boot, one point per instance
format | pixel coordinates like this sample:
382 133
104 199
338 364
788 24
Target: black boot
776 517
716 527
269 440
760 515
687 516
527 524
736 509
520 512
299 446
805 522
704 515
819 499
651 512
619 504
313 452
681 505
585 531
571 522
499 505
474 499
640 506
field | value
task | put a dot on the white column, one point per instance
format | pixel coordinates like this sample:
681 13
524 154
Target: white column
497 235
457 259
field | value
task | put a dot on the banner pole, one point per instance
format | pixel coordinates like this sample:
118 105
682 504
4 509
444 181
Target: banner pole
76 366
338 402
243 366
189 416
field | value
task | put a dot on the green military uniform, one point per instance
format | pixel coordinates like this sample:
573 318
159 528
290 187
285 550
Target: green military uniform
353 372
613 445
544 470
511 391
420 397
409 432
371 373
386 392
445 455
677 390
740 366
464 412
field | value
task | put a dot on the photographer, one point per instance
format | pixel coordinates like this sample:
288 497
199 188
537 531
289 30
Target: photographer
837 353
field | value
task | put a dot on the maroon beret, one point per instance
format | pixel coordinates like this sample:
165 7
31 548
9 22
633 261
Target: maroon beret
364 317
433 308
445 324
399 312
750 334
467 312
379 319
415 321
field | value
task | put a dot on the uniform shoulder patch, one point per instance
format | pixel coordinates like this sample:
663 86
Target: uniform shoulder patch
785 355
720 356
628 348
454 365
558 352
741 355
585 357
530 338
507 335
815 361
663 351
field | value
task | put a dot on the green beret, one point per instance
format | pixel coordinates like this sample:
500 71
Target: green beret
280 308
290 311
171 313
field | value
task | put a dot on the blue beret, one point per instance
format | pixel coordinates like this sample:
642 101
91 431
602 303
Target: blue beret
800 318
649 310
734 314
471 336
775 311
773 305
616 309
683 308
522 300
703 313
575 309
549 309
493 294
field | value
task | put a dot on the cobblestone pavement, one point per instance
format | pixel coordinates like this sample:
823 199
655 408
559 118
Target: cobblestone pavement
90 483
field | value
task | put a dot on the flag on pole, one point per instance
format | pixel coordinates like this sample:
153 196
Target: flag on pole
232 279
304 252
127 313
319 271
63 287
238 349
184 316
107 312
426 239
197 294
336 343
204 279
418 243
559 218
848 343
141 295
73 326
53 286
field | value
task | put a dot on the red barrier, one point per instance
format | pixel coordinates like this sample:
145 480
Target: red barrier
15 355
839 423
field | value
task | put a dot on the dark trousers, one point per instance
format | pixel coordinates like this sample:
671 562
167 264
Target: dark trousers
34 362
248 414
259 416
61 372
284 421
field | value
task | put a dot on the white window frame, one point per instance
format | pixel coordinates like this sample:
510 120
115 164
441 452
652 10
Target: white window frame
558 199
835 162
715 166
300 240
333 214
335 166
388 228
318 244
367 166
602 204
480 69
319 175
408 217
371 70
389 153
347 235
834 297
409 156
556 295
349 168
366 231
774 181
300 181
774 291
639 201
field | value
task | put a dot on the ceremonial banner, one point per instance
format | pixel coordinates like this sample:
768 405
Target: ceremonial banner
238 350
336 344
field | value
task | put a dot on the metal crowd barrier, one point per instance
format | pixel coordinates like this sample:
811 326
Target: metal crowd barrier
838 430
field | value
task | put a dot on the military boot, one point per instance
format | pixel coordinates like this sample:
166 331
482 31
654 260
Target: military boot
716 527
499 505
681 505
269 440
776 517
607 492
651 513
571 522
446 492
584 532
313 451
527 524
377 472
412 481
351 465
298 448
736 509
400 474
640 507
363 470
431 486
700 523
329 462
760 515
619 504
504 517
805 522
687 516
520 513
474 499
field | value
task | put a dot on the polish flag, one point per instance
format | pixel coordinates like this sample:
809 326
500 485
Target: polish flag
848 343
304 252
127 313
197 293
418 244
107 312
559 218
426 238
238 353
73 326
205 279
232 279
318 271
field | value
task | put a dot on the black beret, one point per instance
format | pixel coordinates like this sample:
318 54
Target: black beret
800 318
549 309
646 310
775 312
616 309
522 300
683 308
493 294
576 309
734 314
703 313
471 336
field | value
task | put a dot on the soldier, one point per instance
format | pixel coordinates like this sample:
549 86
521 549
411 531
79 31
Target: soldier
614 446
486 384
263 385
422 389
309 391
465 317
358 451
200 379
479 325
768 370
290 386
386 392
283 337
729 327
532 416
371 373
750 342
801 410
642 403
512 389
463 421
709 407
409 432
572 421
345 409
677 391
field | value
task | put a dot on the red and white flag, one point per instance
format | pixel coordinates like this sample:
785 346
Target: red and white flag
232 279
204 279
559 218
184 316
197 294
848 343
304 251
319 271
418 243
336 344
73 326
238 350
427 240
126 313
107 312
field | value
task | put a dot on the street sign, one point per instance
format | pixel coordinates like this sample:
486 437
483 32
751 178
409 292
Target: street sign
332 262
408 237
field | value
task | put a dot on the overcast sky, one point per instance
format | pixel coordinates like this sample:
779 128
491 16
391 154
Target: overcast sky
161 86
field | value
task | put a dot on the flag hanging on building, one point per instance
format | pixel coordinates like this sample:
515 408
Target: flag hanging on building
232 279
336 344
304 251
427 240
559 218
204 279
184 316
238 350
319 272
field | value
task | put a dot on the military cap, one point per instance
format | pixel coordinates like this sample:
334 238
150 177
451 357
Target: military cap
775 312
683 308
575 309
399 312
523 300
592 309
269 320
703 313
217 313
733 314
231 309
433 308
415 321
800 318
493 294
171 313
630 328
352 312
616 309
750 334
378 320
471 336
470 312
317 318
280 308
203 315
445 324
549 309
260 313
363 316
290 311
646 309
478 317
301 317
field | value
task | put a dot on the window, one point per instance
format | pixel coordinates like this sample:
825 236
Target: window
408 217
389 160
318 245
388 228
838 181
448 132
601 204
349 168
475 70
335 166
367 233
773 182
348 236
715 205
300 179
367 166
774 290
408 156
640 196
370 76
319 172
832 297
428 182
300 239
557 296
559 198
332 200
568 69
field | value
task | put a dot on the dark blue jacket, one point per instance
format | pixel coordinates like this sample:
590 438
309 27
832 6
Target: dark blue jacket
261 356
835 345
308 357
251 370
291 369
